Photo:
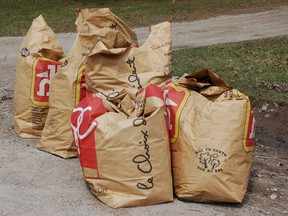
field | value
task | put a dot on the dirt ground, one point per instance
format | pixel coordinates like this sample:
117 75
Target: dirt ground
36 183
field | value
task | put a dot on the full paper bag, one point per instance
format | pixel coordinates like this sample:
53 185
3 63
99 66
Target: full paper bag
212 135
37 63
68 86
123 146
133 67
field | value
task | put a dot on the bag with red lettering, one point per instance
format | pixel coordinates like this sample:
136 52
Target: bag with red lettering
69 86
134 67
37 63
212 135
123 145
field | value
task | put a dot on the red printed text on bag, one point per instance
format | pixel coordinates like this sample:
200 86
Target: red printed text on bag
43 71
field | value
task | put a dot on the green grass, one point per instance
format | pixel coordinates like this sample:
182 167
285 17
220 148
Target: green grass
17 15
248 66
245 65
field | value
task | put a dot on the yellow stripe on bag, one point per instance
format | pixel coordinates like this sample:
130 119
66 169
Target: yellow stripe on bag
179 110
78 83
248 139
33 84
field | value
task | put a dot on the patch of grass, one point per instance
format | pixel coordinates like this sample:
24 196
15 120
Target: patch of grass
249 66
17 15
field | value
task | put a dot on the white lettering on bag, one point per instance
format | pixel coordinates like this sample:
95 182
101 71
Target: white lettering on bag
76 129
47 79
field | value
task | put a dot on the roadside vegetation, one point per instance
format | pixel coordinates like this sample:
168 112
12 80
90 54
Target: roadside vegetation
17 15
259 68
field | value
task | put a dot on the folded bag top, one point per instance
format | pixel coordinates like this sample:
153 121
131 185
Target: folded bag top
133 67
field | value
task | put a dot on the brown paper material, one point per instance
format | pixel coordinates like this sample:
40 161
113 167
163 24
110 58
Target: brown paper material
125 161
206 82
68 86
37 63
133 67
212 144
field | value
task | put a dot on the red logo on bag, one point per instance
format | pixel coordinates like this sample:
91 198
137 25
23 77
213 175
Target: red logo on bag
175 101
153 91
249 132
80 85
43 71
83 123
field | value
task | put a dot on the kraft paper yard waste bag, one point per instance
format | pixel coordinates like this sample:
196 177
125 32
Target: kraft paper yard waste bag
37 63
132 68
212 134
69 86
123 146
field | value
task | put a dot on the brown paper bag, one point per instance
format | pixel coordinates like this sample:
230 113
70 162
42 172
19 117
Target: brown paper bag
133 67
123 146
69 85
37 63
212 139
